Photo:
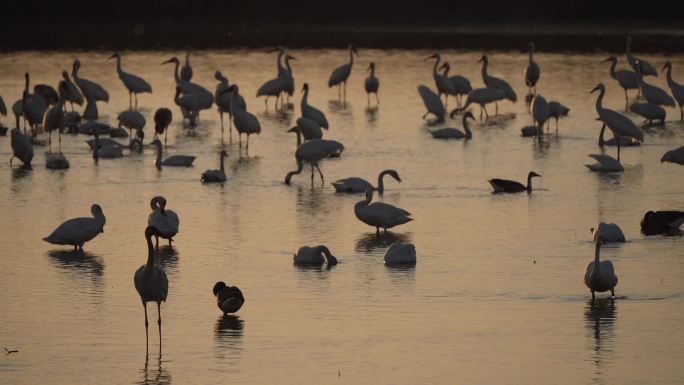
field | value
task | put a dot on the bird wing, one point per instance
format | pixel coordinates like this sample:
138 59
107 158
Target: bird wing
339 75
74 231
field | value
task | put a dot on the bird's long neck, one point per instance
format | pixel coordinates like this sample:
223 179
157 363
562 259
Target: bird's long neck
187 58
669 75
597 263
599 101
289 68
300 167
469 135
484 69
305 98
351 57
154 204
74 71
60 101
446 71
118 65
372 74
150 253
434 68
279 62
531 56
529 183
298 131
159 155
601 141
381 183
176 73
612 69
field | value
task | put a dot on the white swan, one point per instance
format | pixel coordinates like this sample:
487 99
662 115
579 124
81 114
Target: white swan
165 221
609 231
378 214
78 231
173 160
600 275
307 255
606 163
400 254
674 156
340 74
358 185
229 299
216 175
151 283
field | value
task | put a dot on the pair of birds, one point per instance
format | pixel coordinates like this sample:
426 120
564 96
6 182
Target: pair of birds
398 254
152 285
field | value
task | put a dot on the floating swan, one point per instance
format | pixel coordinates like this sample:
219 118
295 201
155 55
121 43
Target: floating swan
400 254
378 214
307 255
165 221
359 185
662 222
216 175
455 133
609 231
172 161
511 186
600 275
674 156
228 298
78 231
606 163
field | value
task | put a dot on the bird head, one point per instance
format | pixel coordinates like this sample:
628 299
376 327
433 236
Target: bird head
155 142
115 55
224 153
600 240
65 75
530 46
533 174
468 115
433 56
610 58
483 59
305 87
76 66
445 65
394 175
220 285
599 87
667 64
218 75
172 60
353 49
293 129
151 231
290 57
371 66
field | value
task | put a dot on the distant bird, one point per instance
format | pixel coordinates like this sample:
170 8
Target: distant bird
311 112
224 97
151 283
78 231
624 141
72 94
245 122
278 85
455 133
308 128
649 111
497 83
532 71
190 105
633 61
359 185
432 103
372 84
676 88
600 275
674 156
54 118
32 108
205 97
460 83
651 93
229 299
340 75
172 161
314 256
605 163
627 79
609 231
105 148
482 97
540 113
186 70
48 94
165 221
132 120
618 123
216 175
88 87
134 84
400 254
662 222
311 152
378 214
556 110
22 148
162 120
510 186
442 82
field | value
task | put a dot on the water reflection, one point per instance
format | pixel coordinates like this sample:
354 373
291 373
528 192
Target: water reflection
154 373
167 257
600 318
80 262
21 172
372 114
228 331
370 242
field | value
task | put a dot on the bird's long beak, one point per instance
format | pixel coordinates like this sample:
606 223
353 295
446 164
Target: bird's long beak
607 60
599 119
664 67
274 49
167 61
292 58
433 56
355 51
443 65
481 59
293 129
112 57
594 90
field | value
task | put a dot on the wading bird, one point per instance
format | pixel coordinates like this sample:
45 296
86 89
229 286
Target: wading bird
379 214
372 84
600 275
532 71
134 84
676 88
165 221
618 123
78 231
340 75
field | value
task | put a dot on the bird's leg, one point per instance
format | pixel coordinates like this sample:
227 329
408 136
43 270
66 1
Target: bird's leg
556 126
426 114
345 91
321 174
612 293
49 142
130 100
156 246
486 113
170 239
626 100
481 109
247 146
368 103
312 174
593 296
377 231
166 131
230 128
617 139
136 101
59 141
497 109
159 323
146 325
681 113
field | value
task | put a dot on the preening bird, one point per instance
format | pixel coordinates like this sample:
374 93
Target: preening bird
510 186
162 120
442 82
400 253
359 185
314 256
22 148
600 275
662 222
379 214
78 231
165 221
151 283
229 299
216 175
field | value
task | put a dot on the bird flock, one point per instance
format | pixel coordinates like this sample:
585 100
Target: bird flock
45 111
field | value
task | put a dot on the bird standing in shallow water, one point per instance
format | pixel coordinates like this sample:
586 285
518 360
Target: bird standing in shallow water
228 298
78 231
600 275
532 72
151 283
372 84
165 221
134 84
340 74
379 214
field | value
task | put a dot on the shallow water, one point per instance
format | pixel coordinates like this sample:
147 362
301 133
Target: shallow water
496 296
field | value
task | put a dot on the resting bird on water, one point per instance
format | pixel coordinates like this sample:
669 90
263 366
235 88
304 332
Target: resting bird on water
78 231
229 299
510 186
662 222
358 185
314 256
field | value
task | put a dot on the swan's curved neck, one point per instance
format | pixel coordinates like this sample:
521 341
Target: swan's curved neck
469 134
529 183
279 62
150 252
599 101
298 132
289 68
300 167
381 183
74 71
612 69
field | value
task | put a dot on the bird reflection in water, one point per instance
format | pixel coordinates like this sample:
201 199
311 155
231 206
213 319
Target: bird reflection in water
372 114
229 329
167 257
79 261
370 242
154 374
21 172
600 315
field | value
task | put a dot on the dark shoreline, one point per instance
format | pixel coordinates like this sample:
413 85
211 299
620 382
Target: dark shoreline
648 37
